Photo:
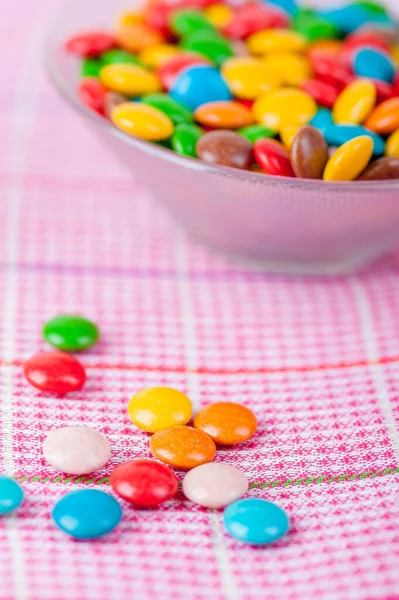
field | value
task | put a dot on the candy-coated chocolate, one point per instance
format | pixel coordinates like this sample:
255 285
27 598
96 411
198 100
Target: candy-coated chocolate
135 38
174 110
91 67
330 69
355 102
363 39
185 138
183 447
219 15
223 115
130 18
227 423
87 514
112 100
336 135
349 160
325 94
209 44
55 372
313 27
198 85
373 63
276 40
144 483
215 485
287 134
255 521
293 68
252 17
309 153
385 117
386 167
288 6
131 80
225 147
249 78
71 333
11 495
384 90
92 93
169 71
155 56
350 17
284 106
186 21
76 450
256 132
90 43
322 120
156 408
273 158
142 121
116 56
392 145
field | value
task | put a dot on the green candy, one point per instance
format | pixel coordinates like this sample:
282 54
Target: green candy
209 44
120 57
374 7
256 132
70 332
313 27
184 22
185 138
174 110
91 67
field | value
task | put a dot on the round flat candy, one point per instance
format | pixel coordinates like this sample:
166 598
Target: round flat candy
373 63
219 15
142 121
89 43
256 132
87 514
55 372
255 521
136 37
322 120
385 117
225 147
128 79
199 84
293 68
324 93
76 450
183 447
223 115
355 102
336 135
386 167
144 482
119 57
392 146
11 494
71 333
276 40
284 106
349 160
214 485
155 56
273 158
169 70
153 409
226 423
185 138
209 44
176 112
249 77
309 153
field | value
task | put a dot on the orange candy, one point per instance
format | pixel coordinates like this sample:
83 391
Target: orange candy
224 115
183 447
385 117
226 423
137 37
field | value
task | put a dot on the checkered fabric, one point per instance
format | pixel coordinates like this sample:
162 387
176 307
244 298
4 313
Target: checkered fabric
317 360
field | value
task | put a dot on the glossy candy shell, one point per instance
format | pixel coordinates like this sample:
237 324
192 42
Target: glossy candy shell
144 483
55 372
11 495
71 333
255 521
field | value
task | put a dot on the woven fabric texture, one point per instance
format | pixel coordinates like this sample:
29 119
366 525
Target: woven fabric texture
317 360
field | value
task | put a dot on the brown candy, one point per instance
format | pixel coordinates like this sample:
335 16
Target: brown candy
224 147
113 99
386 167
309 153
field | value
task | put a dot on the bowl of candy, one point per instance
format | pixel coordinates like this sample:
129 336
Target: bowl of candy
269 130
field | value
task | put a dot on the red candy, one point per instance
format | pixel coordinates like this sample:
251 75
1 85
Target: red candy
384 90
170 70
144 482
324 93
331 70
362 39
273 158
158 13
90 43
55 372
92 93
253 17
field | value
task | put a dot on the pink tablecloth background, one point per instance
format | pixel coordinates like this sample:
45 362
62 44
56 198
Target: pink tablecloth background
316 360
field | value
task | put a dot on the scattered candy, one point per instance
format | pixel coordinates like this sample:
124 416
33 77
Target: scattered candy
70 333
144 483
11 495
76 450
214 485
226 422
183 447
55 372
243 67
255 521
154 409
87 514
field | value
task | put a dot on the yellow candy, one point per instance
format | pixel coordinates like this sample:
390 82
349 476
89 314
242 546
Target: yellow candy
130 18
288 133
249 78
392 145
355 102
293 68
284 106
349 160
130 80
218 14
155 56
395 54
154 409
142 121
276 40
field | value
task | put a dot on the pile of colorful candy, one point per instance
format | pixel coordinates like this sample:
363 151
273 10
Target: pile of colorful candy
263 86
164 412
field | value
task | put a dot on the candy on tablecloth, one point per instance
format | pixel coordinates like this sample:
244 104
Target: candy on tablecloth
55 372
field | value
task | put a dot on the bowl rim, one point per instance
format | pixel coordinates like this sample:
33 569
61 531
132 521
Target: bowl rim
158 151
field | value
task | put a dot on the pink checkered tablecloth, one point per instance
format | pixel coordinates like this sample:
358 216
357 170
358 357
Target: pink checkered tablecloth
318 362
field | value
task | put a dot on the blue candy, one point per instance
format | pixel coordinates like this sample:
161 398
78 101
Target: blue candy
289 6
336 135
11 494
322 120
199 84
351 17
87 514
255 521
375 64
